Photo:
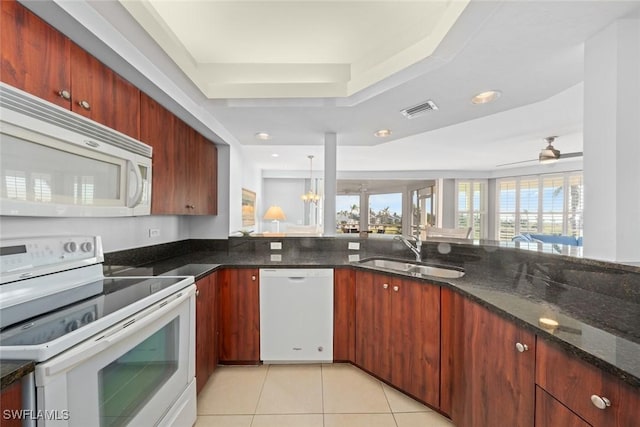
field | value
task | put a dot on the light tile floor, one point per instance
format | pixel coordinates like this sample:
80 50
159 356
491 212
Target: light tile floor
328 395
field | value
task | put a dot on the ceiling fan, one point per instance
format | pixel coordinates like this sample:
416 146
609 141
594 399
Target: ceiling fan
548 154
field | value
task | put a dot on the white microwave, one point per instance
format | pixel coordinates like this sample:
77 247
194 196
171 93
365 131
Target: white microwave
56 163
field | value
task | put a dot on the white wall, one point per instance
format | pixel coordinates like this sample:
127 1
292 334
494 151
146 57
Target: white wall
283 192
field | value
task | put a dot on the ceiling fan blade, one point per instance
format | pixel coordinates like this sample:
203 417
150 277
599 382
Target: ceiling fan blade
517 163
569 155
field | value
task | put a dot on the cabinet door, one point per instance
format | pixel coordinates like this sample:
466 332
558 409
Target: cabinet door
373 323
344 315
100 94
35 56
493 381
239 315
157 126
202 167
205 334
573 382
415 346
551 413
11 400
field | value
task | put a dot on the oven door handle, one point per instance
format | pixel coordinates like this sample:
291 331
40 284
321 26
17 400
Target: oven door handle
120 331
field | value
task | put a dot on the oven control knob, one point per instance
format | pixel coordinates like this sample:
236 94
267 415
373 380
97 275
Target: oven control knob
70 247
72 326
86 247
88 317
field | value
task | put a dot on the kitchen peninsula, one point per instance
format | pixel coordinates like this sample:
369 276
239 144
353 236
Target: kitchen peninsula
508 327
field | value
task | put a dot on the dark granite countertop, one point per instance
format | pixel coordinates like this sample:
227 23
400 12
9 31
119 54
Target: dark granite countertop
14 370
597 304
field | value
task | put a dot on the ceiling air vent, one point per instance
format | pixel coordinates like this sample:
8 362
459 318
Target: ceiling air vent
420 109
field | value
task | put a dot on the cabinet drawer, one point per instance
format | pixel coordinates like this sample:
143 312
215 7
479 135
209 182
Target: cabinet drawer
573 382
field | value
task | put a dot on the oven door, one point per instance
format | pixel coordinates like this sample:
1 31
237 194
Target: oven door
139 372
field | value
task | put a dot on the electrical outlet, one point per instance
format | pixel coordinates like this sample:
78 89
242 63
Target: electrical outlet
276 257
276 246
354 258
354 246
154 232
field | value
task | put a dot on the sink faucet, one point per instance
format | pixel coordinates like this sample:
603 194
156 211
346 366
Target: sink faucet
417 249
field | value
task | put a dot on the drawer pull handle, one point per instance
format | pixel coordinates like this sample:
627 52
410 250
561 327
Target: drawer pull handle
521 347
600 402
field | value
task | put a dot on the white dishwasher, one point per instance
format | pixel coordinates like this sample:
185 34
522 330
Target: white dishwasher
296 315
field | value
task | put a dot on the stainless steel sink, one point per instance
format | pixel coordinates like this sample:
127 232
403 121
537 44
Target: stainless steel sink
412 267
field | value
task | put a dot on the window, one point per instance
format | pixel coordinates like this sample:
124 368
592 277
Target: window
385 213
543 204
471 207
348 213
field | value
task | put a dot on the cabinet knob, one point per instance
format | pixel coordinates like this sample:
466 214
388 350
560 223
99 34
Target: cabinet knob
521 347
600 402
191 207
197 292
385 286
64 94
253 277
396 288
84 104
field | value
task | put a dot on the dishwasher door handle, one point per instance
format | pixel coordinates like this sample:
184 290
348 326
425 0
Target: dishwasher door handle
296 279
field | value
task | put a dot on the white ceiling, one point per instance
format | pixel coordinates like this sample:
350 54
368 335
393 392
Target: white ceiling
266 48
531 50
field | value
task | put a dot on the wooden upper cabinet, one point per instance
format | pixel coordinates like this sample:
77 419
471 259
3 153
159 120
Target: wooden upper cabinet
40 60
575 383
157 129
35 56
202 197
185 164
493 382
100 94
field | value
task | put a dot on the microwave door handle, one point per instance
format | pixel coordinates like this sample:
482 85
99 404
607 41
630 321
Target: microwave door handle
134 200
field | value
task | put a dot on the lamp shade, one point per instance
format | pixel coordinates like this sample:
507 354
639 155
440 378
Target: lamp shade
274 213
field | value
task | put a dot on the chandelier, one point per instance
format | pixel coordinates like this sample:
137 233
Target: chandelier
311 196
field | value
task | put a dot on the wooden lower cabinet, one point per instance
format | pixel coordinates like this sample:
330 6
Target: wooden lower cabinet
11 400
551 413
239 315
344 315
206 330
398 333
574 382
492 381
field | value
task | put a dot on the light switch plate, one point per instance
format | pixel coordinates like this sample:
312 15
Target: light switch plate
276 257
354 258
354 246
276 246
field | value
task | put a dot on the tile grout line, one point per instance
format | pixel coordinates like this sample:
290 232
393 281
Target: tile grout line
255 409
322 392
393 414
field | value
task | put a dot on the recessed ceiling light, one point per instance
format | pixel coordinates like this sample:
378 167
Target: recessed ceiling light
383 133
486 97
263 135
275 155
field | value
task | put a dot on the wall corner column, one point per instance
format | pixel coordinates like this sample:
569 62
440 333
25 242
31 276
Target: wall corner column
612 143
330 183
